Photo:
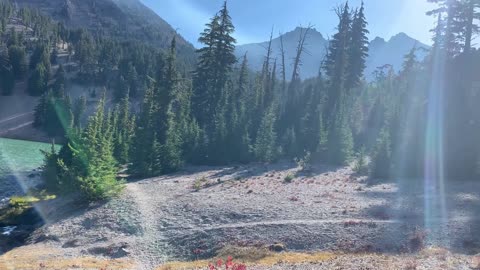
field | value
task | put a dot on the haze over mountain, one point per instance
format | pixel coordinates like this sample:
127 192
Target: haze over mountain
381 52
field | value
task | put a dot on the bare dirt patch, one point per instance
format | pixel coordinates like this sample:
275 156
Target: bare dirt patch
170 218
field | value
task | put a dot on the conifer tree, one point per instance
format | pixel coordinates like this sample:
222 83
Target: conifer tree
95 149
336 62
212 83
265 145
381 160
124 128
7 76
214 64
78 109
18 60
38 81
174 110
357 49
340 140
145 150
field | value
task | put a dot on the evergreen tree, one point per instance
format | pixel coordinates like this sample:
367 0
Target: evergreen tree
124 128
94 150
38 81
211 80
78 109
214 64
18 60
7 76
357 49
381 160
146 148
53 114
340 140
265 145
336 62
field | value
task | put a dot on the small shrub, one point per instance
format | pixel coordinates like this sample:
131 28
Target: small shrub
199 183
288 178
361 163
411 265
416 241
305 163
380 166
278 247
227 265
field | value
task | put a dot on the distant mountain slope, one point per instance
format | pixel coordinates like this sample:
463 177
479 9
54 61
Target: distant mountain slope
124 19
381 52
392 52
316 49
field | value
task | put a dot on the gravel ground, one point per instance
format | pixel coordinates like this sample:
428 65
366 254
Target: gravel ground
166 218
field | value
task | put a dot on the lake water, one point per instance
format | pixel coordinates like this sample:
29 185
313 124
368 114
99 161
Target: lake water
18 159
18 156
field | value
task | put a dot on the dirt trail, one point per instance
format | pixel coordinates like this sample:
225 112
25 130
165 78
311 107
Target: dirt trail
149 252
14 117
2 132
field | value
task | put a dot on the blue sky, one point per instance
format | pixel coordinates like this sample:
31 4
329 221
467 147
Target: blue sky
254 19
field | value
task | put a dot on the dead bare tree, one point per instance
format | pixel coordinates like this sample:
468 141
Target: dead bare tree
300 50
269 51
283 71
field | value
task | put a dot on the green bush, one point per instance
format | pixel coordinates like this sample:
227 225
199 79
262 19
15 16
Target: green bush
361 162
288 178
199 183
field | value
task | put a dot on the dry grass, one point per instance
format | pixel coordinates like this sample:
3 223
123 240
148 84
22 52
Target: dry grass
253 256
34 257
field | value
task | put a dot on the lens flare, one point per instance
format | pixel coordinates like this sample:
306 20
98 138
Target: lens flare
435 209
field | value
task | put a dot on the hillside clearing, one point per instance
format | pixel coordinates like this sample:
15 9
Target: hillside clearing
166 219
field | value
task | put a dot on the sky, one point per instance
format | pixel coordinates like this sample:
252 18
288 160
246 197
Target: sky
254 19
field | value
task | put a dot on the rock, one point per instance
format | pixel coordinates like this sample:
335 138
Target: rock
47 237
278 247
114 251
72 243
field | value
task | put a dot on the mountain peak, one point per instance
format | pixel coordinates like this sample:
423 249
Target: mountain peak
377 40
296 32
400 36
381 51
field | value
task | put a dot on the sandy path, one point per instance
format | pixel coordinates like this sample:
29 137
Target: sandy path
16 128
15 117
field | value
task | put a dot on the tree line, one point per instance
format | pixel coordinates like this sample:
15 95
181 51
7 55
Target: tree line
224 113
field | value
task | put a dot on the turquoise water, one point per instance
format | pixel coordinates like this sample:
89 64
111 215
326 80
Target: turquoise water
20 156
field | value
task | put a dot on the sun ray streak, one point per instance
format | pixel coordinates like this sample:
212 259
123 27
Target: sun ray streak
434 171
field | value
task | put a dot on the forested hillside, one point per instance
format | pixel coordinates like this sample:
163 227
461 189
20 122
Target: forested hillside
222 113
122 19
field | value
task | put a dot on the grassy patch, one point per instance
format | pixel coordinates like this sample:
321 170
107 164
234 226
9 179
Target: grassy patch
20 205
253 257
33 257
